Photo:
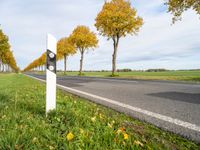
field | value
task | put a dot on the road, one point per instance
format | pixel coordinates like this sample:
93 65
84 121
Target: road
173 106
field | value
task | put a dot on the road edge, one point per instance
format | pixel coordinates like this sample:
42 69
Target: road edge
185 129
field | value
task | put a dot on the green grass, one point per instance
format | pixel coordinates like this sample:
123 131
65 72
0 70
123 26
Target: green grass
167 75
23 124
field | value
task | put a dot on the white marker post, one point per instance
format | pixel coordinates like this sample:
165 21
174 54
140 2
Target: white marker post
51 73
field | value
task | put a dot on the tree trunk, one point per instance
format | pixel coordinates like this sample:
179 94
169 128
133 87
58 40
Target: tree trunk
81 62
6 67
3 67
65 63
0 65
114 56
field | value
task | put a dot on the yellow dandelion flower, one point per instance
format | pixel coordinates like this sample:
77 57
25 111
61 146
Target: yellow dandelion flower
125 136
70 136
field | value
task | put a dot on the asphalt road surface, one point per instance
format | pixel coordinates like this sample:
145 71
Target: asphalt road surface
173 106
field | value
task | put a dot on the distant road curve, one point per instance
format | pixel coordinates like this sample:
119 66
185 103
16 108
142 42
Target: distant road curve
174 106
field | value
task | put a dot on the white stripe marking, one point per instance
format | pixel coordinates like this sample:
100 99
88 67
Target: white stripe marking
136 109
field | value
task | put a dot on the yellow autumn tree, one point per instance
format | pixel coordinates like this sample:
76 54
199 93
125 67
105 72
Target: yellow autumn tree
4 48
39 62
83 39
43 59
7 60
12 63
116 20
65 47
177 7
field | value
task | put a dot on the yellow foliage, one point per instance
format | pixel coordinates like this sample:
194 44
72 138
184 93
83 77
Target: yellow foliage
117 18
177 7
6 55
83 38
65 47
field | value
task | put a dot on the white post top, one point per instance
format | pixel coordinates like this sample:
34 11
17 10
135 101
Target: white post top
51 43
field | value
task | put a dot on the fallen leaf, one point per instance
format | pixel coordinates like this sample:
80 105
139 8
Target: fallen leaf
138 143
93 119
109 125
81 131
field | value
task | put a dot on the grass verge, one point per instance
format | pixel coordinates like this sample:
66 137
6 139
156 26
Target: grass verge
192 76
77 123
188 76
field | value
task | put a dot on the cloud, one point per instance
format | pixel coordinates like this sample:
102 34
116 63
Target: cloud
158 44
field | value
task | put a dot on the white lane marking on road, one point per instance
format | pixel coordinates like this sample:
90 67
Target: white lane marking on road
136 109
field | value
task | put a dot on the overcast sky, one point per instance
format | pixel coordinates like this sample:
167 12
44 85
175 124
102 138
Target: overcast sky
158 44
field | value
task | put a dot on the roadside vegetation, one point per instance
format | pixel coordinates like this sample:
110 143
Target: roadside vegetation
184 75
7 60
193 76
76 124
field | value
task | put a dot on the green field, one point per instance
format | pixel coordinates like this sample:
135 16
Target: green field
167 75
77 123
